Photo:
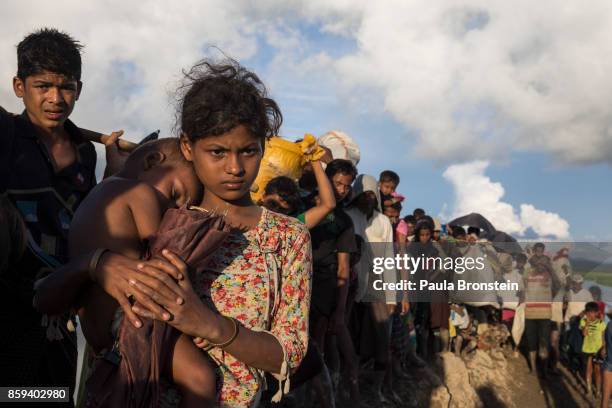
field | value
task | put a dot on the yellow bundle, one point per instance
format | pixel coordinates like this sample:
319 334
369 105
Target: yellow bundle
284 158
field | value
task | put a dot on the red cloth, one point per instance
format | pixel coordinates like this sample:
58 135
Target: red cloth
602 309
507 314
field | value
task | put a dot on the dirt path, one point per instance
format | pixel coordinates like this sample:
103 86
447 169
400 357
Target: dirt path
527 390
562 391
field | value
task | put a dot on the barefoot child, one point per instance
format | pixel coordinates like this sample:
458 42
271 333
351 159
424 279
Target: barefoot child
593 346
119 215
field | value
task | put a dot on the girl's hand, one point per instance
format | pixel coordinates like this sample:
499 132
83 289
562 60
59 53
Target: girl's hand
113 274
189 315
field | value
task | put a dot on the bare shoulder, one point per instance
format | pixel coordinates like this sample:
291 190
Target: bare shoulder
106 214
139 191
122 192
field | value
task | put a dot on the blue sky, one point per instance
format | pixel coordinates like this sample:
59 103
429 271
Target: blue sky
576 192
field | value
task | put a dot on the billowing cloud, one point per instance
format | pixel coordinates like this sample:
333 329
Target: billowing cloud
544 223
472 79
479 79
133 56
476 192
134 52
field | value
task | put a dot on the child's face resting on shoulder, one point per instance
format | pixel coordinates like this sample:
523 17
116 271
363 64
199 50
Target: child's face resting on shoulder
227 164
184 186
387 187
175 180
591 315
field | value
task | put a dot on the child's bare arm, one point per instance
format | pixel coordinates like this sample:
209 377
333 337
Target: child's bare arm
104 220
145 204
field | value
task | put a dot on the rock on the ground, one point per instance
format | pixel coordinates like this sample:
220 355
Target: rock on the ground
439 398
456 379
489 378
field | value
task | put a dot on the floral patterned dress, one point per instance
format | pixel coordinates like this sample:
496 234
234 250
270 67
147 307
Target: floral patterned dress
262 278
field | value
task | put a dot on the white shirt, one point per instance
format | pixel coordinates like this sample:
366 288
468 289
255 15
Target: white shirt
557 305
378 231
576 301
460 321
510 297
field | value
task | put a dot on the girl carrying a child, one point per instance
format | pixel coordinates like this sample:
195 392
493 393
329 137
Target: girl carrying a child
254 293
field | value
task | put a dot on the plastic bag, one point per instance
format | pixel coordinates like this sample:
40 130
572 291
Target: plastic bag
284 158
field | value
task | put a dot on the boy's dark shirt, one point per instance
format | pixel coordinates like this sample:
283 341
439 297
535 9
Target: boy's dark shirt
47 201
334 234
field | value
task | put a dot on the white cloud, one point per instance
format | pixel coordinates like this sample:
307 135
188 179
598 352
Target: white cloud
471 78
133 56
478 79
135 51
543 222
476 192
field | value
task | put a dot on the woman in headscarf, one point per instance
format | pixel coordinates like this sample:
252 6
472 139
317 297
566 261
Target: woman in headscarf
377 233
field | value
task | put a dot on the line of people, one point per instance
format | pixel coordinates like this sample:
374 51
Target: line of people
549 311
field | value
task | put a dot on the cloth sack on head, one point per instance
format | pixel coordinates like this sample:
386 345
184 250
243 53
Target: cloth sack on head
341 145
